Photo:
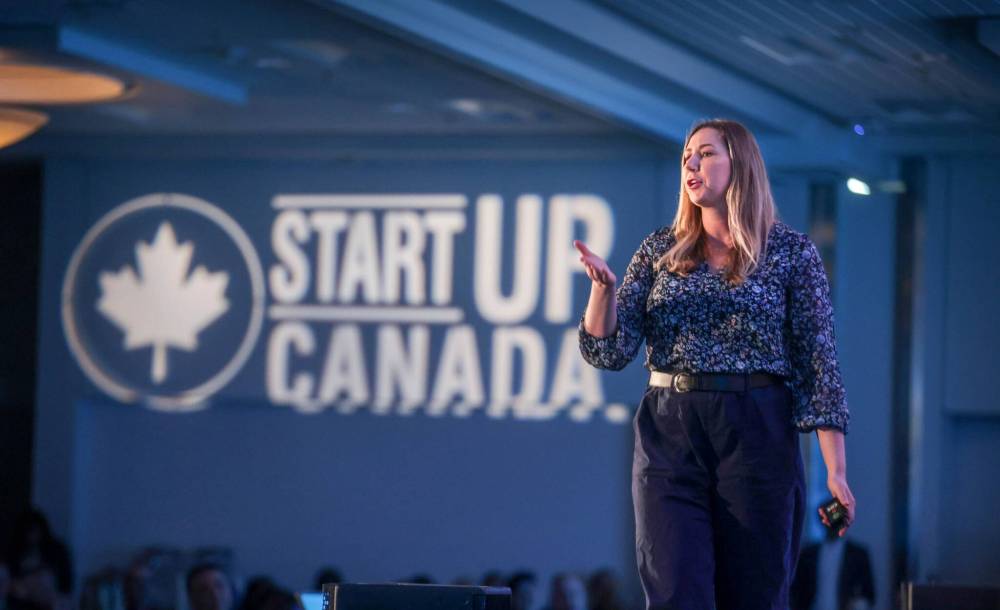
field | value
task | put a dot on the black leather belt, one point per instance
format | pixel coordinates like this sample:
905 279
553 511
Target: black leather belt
712 382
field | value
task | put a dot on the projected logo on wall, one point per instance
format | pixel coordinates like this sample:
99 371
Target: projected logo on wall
394 303
155 295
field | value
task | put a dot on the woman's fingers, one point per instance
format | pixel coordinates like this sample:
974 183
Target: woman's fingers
842 492
823 519
847 499
597 270
586 256
598 273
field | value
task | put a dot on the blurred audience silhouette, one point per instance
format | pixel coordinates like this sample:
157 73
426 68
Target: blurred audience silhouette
567 593
327 575
835 574
603 591
210 588
37 574
39 570
522 590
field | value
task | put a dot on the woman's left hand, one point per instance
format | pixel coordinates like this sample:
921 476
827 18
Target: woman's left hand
838 487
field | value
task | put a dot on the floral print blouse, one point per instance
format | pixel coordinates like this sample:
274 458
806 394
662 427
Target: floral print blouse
779 320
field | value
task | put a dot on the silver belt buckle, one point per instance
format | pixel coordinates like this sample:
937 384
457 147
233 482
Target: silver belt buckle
682 382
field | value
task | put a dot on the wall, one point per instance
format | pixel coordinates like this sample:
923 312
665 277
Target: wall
956 429
864 312
383 496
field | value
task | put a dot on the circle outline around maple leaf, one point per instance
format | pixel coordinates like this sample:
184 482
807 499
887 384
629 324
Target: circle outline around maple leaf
195 398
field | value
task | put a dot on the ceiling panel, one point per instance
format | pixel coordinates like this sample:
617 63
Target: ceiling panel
892 65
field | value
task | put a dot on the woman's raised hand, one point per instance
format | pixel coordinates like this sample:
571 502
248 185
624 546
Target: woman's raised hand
597 270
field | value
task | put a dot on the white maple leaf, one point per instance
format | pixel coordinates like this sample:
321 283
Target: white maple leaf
163 306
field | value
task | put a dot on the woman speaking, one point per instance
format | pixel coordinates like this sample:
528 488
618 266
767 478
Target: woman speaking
735 311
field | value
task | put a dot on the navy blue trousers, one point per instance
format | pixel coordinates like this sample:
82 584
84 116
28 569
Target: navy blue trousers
719 496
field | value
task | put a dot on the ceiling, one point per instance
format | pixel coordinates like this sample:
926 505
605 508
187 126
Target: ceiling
265 66
521 66
890 65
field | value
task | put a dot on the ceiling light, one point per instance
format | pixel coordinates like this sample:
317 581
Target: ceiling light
468 106
28 84
858 187
16 124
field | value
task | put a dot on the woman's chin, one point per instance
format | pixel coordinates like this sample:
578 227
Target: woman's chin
703 202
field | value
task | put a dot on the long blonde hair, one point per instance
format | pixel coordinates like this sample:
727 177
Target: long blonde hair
750 208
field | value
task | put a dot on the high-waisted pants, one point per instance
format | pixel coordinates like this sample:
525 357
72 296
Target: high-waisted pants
718 491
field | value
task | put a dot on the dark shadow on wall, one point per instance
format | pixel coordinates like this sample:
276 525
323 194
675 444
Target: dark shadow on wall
20 206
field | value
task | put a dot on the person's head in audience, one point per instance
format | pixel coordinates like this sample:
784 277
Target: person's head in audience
33 546
567 593
602 591
30 536
327 576
257 589
34 587
135 583
522 590
279 599
493 578
209 588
